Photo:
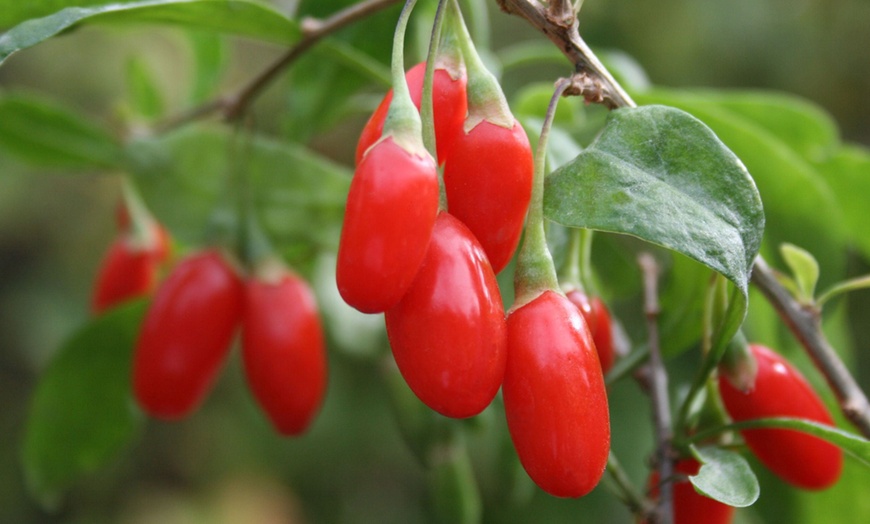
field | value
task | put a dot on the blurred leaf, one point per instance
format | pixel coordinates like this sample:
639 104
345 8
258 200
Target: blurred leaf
682 295
853 284
46 134
455 498
145 98
800 207
209 59
82 412
237 17
299 194
848 174
661 175
725 476
15 11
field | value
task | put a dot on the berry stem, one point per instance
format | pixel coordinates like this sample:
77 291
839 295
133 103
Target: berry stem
402 122
486 101
577 271
535 271
427 110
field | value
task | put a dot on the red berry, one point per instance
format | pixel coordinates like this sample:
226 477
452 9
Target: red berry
391 209
129 269
448 333
283 351
781 391
690 507
127 272
449 104
598 319
554 397
488 179
186 335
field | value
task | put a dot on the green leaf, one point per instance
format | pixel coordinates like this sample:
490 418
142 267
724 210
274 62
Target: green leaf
725 476
181 175
237 17
210 56
145 97
43 133
661 175
798 203
804 268
82 412
848 174
15 11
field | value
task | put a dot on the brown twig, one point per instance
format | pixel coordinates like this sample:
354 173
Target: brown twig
233 105
560 25
805 323
658 390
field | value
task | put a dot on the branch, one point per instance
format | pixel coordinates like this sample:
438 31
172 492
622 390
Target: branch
805 323
658 382
560 25
234 105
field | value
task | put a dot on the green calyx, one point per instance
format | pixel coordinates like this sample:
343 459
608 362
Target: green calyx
486 101
403 122
143 228
535 272
738 365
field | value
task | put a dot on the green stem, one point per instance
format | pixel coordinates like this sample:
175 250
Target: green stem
141 221
578 265
486 100
427 110
535 271
624 488
403 120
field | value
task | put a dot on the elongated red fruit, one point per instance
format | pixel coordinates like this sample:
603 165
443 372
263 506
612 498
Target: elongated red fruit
448 334
283 351
598 319
186 335
448 101
129 269
781 391
391 209
690 507
488 179
554 397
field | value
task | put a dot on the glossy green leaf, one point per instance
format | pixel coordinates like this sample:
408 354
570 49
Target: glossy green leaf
661 175
848 174
237 17
725 476
43 133
82 412
798 203
145 97
299 194
804 268
14 11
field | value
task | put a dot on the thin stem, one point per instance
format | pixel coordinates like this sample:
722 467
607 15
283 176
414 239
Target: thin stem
599 86
232 106
427 110
806 325
658 390
535 269
625 488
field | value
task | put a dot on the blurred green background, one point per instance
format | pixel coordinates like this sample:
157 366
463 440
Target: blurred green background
224 464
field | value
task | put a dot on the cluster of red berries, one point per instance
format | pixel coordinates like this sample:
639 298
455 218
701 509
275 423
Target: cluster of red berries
190 324
432 272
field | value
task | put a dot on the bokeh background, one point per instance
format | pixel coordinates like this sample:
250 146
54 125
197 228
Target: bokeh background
224 465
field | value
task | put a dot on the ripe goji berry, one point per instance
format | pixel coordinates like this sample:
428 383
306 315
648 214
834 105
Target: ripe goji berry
554 396
283 350
689 506
390 213
126 272
780 390
448 333
186 335
488 180
598 319
449 104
